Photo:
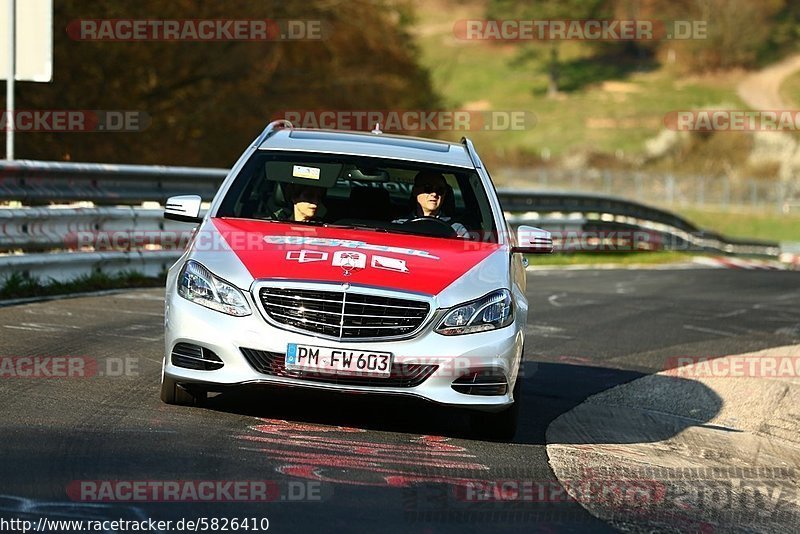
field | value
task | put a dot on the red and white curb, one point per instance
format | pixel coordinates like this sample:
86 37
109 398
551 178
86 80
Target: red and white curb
792 260
726 262
787 262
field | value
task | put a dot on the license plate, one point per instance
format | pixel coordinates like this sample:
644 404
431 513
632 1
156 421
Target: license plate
339 361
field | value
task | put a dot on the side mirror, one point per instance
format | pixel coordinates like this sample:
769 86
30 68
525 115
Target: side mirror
184 208
532 240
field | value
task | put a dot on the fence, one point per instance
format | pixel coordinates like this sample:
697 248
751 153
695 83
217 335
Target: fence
667 190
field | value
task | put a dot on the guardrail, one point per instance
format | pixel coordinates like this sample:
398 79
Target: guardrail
602 215
43 182
65 266
126 237
47 229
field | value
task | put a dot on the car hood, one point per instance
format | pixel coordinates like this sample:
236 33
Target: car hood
241 250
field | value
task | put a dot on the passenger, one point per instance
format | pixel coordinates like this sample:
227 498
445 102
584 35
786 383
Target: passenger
305 200
427 196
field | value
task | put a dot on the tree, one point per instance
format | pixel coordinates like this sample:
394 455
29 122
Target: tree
206 100
738 32
547 10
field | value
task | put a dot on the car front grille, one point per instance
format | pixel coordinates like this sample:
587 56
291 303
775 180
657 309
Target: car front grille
343 315
402 375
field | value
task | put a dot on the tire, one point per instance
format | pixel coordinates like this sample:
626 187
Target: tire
498 426
172 393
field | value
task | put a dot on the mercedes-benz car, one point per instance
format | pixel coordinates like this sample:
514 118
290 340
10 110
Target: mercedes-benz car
367 295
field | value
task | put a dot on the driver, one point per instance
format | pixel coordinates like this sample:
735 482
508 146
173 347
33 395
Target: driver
306 201
428 194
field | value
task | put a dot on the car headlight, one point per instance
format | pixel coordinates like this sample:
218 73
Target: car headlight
196 283
489 312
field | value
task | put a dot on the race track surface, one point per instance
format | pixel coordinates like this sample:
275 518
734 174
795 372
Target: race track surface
346 462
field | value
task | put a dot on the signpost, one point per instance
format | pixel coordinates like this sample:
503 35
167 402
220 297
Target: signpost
26 53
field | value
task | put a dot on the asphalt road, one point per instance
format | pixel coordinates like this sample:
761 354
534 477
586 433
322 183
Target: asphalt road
71 443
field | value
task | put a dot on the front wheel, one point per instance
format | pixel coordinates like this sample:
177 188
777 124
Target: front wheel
499 426
172 393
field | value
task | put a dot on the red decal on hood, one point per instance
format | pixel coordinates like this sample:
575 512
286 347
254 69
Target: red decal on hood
397 261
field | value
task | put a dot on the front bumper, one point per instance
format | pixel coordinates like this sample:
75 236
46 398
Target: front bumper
186 322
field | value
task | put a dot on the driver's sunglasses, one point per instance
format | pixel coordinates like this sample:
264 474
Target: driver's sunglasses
311 194
438 189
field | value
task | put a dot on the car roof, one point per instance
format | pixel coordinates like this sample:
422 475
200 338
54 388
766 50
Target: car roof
368 144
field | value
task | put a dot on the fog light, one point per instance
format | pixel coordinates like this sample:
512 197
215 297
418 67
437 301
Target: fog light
195 357
485 382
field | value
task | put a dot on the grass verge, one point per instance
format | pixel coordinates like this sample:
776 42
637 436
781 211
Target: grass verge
790 90
17 286
620 258
770 226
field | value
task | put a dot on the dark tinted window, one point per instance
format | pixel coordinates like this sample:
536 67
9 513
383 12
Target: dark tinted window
359 191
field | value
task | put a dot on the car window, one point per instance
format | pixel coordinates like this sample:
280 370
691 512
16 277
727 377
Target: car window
360 191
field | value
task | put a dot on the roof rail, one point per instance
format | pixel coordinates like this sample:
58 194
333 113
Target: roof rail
270 129
471 152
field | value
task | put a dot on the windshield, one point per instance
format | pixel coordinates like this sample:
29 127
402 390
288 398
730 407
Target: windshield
362 192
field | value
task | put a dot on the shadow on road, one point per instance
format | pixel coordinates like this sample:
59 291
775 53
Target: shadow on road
549 390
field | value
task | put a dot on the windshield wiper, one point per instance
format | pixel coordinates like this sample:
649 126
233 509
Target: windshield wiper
263 219
348 226
310 223
359 227
334 225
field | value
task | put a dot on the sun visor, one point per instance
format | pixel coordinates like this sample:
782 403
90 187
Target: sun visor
299 172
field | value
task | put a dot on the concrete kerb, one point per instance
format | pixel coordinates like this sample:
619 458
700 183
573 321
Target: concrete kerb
677 451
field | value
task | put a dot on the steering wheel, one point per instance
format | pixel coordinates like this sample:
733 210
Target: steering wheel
432 226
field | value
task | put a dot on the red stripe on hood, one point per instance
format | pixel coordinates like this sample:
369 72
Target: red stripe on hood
397 261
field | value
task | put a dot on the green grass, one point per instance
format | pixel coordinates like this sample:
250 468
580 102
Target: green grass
18 286
790 90
747 224
617 117
620 258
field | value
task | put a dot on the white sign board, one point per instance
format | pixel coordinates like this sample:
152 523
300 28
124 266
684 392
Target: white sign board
34 40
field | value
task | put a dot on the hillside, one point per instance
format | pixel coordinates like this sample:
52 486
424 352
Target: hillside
613 116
